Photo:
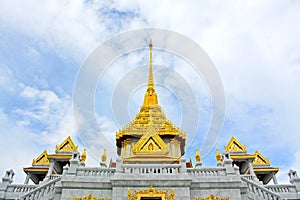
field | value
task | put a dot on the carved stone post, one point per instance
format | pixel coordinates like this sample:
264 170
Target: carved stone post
294 179
183 165
74 163
227 163
119 165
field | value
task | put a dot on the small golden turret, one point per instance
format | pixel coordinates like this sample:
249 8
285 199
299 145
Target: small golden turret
83 156
104 157
218 156
197 156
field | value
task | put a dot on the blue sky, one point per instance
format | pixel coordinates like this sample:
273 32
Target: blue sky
255 47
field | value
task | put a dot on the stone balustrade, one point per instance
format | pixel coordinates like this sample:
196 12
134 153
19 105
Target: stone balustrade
213 171
41 192
95 171
20 188
259 192
151 169
282 188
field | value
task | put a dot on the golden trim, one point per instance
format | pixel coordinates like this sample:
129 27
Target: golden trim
90 197
242 156
42 159
273 169
213 197
151 192
260 159
66 146
235 146
35 169
60 156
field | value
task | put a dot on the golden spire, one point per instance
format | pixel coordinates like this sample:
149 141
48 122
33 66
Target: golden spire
150 78
197 156
218 156
150 95
103 158
83 156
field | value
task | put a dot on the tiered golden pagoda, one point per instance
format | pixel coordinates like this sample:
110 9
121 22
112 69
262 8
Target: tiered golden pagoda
150 137
251 163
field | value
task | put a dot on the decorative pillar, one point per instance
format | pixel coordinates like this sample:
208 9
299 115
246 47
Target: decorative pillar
50 170
27 179
274 179
252 173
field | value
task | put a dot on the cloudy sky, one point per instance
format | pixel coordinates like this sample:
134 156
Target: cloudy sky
254 45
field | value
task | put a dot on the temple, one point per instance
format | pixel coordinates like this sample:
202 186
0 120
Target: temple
150 165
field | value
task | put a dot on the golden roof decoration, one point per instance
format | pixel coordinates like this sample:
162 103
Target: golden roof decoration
218 156
235 146
66 146
83 156
90 197
260 159
42 159
197 156
104 156
213 197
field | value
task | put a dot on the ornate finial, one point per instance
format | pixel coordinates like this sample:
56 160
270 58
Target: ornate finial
197 156
83 156
104 156
218 156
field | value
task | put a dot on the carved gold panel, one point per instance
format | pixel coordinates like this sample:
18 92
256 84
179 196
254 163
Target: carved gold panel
90 197
212 197
150 193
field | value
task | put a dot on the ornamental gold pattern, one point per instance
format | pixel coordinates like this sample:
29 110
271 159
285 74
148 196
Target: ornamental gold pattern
151 193
212 197
90 197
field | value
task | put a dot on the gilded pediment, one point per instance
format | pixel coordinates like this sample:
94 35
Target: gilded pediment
42 159
260 159
235 146
151 142
66 146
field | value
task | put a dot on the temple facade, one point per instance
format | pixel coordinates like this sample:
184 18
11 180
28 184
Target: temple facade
150 166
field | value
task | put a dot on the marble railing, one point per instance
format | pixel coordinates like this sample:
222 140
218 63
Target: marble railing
259 192
151 169
42 191
95 171
212 171
20 188
282 188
